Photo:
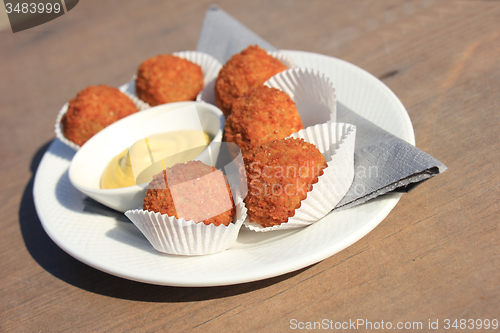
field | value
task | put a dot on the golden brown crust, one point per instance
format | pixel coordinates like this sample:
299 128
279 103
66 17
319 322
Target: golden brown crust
261 115
167 78
198 191
244 71
93 109
280 173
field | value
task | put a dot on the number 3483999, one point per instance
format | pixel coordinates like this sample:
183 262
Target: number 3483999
32 8
470 324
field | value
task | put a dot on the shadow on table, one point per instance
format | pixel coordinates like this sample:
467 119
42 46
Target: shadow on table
61 265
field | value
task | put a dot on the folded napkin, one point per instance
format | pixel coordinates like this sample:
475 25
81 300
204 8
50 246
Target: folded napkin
399 165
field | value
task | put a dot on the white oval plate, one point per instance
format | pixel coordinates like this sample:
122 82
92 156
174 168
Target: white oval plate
111 244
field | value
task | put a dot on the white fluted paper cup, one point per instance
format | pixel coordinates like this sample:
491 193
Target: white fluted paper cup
140 105
170 235
312 92
336 142
284 58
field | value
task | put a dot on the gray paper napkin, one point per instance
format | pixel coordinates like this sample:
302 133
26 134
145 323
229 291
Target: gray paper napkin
382 162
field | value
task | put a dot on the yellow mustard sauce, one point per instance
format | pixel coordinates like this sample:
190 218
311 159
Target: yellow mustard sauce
148 157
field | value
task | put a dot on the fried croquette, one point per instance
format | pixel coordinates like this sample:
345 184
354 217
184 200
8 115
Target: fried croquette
261 115
280 173
244 71
167 78
93 109
194 191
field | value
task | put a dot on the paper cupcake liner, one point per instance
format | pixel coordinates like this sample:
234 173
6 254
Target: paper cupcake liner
312 92
336 142
58 126
177 236
208 93
284 58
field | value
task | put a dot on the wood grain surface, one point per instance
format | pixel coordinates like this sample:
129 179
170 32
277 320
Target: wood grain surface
435 257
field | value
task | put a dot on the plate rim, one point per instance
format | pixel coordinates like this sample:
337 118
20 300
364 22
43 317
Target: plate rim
409 126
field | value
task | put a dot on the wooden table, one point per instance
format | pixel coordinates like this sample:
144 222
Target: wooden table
435 257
